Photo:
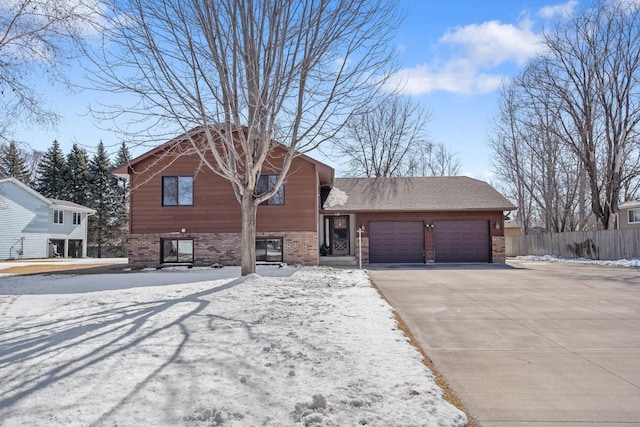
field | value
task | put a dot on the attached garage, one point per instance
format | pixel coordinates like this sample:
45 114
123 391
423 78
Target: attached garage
421 219
462 241
396 242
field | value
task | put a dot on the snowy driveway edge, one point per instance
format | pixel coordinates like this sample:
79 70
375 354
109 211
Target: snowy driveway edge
317 348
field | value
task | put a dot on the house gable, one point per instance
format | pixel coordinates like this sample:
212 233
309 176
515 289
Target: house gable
215 208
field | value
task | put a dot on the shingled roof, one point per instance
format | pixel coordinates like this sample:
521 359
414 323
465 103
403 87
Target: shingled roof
458 193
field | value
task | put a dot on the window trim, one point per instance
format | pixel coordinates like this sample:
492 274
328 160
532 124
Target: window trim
281 190
58 216
177 261
177 177
266 256
77 218
636 213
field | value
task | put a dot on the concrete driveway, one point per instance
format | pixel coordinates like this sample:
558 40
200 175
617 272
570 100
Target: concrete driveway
531 343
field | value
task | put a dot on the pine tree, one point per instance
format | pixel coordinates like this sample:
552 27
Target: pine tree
123 156
76 176
102 198
13 164
50 179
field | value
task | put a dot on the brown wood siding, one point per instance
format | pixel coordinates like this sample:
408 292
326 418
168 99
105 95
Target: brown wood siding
429 218
215 208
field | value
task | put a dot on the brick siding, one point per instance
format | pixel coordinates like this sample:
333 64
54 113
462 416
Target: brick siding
365 249
299 247
497 250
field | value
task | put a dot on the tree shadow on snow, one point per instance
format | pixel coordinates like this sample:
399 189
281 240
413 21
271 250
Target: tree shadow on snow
95 336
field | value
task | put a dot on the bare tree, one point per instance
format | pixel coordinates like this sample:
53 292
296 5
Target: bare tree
539 172
37 38
591 72
242 73
384 140
577 113
437 159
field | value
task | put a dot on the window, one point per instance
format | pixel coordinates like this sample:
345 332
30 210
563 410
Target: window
269 250
58 217
634 216
266 183
77 218
176 250
177 190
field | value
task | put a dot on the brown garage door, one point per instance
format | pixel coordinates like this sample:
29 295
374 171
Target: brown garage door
461 241
396 242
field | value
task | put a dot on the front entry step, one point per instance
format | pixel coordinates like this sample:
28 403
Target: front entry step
339 261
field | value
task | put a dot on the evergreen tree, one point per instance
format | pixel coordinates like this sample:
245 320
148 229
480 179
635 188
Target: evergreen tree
50 179
76 176
102 198
123 156
13 163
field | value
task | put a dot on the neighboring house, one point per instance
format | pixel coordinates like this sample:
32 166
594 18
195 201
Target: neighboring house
629 214
182 212
34 226
512 228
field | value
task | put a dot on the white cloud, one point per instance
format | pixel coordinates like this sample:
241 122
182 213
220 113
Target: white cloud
558 10
455 77
473 53
492 42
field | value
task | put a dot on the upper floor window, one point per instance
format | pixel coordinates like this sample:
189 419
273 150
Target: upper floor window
266 183
77 218
634 216
58 217
177 190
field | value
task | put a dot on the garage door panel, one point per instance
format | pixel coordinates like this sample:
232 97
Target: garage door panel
462 241
396 242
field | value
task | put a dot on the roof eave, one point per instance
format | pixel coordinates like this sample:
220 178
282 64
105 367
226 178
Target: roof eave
362 210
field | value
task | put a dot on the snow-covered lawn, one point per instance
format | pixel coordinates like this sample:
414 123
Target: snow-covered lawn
611 263
315 346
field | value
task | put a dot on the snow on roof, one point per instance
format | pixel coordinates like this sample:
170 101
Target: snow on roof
454 193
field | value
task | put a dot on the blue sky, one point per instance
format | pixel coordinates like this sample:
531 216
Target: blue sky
453 56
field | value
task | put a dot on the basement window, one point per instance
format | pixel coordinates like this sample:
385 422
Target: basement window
269 250
176 251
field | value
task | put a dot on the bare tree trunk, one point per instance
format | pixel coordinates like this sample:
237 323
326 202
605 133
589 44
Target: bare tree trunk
582 199
248 239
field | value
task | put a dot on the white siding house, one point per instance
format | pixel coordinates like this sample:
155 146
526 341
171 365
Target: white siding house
33 226
629 214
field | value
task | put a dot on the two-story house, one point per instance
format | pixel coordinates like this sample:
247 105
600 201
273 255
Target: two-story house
34 226
182 212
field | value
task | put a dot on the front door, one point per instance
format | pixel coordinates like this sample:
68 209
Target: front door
339 231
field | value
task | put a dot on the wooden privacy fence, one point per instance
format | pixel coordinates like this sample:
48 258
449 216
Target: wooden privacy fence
603 245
